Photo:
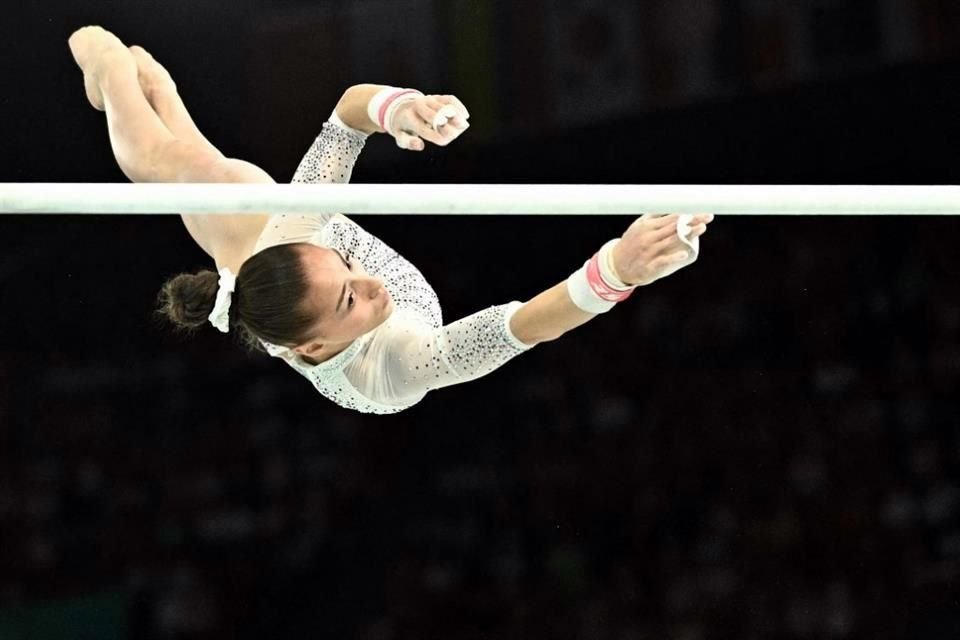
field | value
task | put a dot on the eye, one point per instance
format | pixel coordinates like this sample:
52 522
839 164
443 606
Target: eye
350 301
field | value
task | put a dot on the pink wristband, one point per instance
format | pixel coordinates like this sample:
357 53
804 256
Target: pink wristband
386 105
601 287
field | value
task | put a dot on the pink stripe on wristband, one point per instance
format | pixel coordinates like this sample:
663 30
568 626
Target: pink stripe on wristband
599 286
386 104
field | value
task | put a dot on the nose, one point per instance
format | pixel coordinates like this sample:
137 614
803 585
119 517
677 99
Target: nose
374 287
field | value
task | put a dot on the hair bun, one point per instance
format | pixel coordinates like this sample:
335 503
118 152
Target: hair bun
188 299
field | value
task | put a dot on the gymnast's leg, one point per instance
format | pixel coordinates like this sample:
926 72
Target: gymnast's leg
145 148
161 92
155 140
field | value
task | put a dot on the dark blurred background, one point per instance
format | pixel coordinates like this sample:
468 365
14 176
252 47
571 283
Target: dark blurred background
764 445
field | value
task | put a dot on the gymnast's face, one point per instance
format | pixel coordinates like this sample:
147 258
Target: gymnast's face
348 302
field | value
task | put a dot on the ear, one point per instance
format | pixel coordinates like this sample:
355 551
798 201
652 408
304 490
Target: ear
309 349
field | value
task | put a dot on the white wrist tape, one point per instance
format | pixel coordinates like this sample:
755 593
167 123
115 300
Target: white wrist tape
583 296
384 104
596 287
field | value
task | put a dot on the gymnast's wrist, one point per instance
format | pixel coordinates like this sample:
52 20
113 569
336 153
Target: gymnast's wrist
383 105
596 287
351 109
608 268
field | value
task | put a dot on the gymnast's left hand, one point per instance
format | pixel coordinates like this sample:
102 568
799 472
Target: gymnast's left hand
652 248
436 119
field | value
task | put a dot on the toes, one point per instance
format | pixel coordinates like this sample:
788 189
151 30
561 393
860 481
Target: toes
89 44
145 62
140 53
152 74
94 95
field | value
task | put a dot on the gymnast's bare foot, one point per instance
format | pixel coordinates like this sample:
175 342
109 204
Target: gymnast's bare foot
89 46
152 75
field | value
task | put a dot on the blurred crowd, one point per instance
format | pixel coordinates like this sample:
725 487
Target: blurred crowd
764 445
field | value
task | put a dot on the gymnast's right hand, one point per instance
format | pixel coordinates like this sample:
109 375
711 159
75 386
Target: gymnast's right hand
436 119
652 248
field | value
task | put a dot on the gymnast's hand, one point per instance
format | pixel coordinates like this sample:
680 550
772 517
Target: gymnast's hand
436 119
652 247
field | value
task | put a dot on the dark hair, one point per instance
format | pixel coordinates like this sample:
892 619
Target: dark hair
268 303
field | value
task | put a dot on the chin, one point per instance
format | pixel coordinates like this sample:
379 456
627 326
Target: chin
386 312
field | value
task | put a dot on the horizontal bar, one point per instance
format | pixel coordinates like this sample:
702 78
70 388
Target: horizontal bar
477 199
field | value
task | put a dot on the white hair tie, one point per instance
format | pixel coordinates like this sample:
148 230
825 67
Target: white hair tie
220 316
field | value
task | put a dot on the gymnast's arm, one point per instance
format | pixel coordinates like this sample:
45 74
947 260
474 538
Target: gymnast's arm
649 250
408 115
231 239
408 359
330 159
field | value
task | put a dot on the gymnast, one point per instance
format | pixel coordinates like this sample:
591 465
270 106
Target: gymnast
334 302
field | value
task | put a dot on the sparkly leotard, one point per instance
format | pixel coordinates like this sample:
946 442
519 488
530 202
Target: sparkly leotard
392 367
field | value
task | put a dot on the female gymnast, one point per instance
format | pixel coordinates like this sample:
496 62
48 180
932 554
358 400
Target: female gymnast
335 303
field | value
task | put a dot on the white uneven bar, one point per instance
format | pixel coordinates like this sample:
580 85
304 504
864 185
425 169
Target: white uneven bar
476 199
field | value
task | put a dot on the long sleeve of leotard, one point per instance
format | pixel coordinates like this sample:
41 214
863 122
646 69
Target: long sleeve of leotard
412 352
330 159
407 357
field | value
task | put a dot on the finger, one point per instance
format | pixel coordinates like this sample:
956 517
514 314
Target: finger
407 140
433 124
434 115
449 134
458 123
665 220
441 135
647 221
453 117
453 100
665 228
460 116
433 102
435 137
667 245
427 133
672 238
701 218
443 116
424 111
657 216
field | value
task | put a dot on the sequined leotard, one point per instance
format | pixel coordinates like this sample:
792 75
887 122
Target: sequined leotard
392 367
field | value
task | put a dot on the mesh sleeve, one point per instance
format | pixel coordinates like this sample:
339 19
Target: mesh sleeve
408 358
331 158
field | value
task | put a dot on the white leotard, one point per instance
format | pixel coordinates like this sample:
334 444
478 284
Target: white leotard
392 367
